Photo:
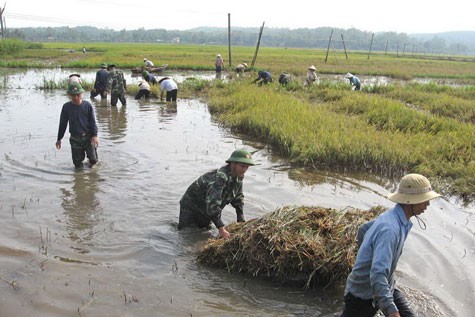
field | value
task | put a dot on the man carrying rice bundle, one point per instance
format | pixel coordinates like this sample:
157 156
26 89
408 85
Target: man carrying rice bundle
371 285
206 197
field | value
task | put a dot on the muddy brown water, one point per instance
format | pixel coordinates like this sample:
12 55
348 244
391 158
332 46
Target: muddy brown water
103 241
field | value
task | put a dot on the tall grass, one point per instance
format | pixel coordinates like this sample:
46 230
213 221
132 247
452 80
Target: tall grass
349 130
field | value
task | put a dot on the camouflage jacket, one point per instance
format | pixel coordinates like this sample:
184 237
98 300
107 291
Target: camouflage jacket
116 82
212 191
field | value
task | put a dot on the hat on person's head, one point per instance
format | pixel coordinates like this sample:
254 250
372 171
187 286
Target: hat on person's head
312 67
111 65
245 64
72 75
144 73
241 156
144 59
349 75
413 189
75 89
219 55
103 65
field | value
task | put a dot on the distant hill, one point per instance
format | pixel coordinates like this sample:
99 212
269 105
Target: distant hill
452 39
448 43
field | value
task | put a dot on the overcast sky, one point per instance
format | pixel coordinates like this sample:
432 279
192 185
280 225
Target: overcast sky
408 16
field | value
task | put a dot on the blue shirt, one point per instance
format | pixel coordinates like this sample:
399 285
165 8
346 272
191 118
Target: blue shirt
372 275
81 118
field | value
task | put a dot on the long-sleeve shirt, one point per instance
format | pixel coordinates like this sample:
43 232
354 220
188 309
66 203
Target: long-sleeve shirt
382 245
212 191
81 119
101 79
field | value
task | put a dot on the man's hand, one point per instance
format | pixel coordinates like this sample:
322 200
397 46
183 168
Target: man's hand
224 233
95 141
396 314
58 144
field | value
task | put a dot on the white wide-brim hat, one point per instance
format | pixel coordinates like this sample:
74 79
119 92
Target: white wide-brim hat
348 75
413 189
312 67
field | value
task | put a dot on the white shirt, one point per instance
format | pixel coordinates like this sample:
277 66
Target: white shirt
168 84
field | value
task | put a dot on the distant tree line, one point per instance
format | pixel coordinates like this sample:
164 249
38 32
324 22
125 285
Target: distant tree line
450 43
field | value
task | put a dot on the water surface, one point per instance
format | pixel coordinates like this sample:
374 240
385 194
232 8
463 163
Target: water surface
103 241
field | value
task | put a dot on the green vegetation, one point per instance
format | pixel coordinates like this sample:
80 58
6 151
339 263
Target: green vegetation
387 130
331 127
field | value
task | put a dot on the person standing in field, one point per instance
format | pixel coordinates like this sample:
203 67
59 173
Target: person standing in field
219 65
205 198
116 85
311 75
371 285
354 81
79 114
170 86
100 83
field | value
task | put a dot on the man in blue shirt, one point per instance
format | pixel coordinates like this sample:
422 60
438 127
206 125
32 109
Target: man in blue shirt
82 127
100 84
370 285
354 81
264 77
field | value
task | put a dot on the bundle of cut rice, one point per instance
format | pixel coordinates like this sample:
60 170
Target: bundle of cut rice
304 245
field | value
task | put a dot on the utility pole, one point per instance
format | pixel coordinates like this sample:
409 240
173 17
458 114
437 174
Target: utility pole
328 48
258 44
229 39
2 20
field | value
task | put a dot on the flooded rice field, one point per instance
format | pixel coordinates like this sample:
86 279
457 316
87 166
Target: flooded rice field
103 241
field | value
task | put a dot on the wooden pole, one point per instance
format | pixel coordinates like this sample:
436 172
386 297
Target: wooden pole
344 46
258 44
371 45
229 39
2 20
386 49
328 48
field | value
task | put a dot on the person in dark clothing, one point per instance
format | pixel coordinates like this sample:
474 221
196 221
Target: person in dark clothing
100 84
206 197
285 79
149 78
264 77
80 115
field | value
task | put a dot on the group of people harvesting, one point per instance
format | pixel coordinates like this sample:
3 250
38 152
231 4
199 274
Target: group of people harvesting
370 287
265 77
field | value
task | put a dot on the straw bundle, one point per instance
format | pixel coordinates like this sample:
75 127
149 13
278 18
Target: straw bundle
300 245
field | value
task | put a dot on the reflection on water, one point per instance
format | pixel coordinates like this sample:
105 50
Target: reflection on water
112 119
113 227
81 205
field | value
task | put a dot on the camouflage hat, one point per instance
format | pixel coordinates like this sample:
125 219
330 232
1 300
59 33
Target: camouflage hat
144 73
241 156
75 89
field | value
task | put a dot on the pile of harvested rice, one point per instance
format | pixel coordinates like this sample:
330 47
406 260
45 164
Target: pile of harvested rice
305 245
